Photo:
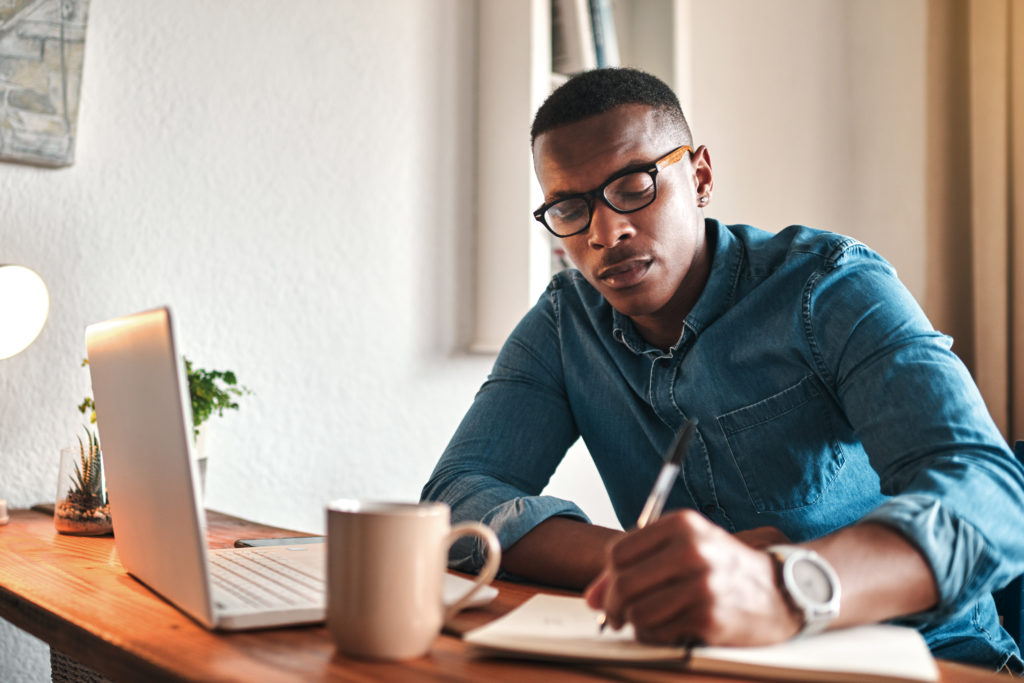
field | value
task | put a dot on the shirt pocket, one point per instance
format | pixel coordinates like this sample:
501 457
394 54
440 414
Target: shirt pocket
784 447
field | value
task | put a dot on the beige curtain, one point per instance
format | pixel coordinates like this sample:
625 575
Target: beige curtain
975 181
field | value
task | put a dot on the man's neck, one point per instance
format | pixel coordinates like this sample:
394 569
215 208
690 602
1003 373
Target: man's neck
660 331
663 329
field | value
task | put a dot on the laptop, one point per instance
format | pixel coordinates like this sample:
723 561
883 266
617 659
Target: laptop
144 419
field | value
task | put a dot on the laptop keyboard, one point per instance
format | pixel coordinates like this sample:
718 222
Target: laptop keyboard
262 580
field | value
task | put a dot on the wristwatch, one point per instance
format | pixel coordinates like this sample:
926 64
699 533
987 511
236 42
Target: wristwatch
810 585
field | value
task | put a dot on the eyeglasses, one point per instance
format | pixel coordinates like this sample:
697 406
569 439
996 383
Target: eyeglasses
625 192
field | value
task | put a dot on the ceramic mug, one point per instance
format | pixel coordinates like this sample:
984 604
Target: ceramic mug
385 574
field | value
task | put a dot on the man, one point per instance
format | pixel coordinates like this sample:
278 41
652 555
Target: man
832 417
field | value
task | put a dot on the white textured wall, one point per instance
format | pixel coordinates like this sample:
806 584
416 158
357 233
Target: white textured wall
295 179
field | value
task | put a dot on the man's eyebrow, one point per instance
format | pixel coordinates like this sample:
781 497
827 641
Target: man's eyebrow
631 166
555 196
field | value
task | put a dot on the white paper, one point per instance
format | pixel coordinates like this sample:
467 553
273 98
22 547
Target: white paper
559 627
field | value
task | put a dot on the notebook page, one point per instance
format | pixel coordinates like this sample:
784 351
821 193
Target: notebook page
560 627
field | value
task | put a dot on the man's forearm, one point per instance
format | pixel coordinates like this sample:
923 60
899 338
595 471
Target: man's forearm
882 574
560 552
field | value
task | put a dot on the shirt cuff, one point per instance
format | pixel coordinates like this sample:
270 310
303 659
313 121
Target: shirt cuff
955 550
510 520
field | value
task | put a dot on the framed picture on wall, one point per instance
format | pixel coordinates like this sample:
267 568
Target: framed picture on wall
42 47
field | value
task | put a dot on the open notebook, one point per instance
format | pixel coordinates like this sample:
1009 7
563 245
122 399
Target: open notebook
565 628
145 428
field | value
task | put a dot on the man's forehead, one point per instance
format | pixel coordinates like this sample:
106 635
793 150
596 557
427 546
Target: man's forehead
584 152
621 123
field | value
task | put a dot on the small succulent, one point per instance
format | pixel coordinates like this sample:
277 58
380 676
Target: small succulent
87 482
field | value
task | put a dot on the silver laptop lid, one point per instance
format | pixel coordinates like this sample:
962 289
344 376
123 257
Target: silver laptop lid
145 432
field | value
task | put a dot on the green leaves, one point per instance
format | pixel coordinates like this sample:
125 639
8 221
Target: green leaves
87 490
210 391
88 404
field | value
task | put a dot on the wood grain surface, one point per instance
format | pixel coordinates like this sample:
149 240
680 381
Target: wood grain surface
72 593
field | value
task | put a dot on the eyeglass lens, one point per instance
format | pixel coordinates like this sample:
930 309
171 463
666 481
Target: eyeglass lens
627 193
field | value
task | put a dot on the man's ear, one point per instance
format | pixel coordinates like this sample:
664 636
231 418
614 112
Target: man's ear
701 162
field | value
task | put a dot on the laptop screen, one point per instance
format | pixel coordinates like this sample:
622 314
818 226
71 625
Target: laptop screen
144 425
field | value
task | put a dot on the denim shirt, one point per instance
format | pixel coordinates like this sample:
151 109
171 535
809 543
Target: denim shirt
824 397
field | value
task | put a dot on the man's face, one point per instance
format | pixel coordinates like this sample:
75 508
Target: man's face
650 264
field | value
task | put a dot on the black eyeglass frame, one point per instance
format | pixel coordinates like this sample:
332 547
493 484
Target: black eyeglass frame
589 197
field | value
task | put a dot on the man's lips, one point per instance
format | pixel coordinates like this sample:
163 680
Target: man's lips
625 273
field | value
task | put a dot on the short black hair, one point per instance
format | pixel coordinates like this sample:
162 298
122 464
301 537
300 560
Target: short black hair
595 92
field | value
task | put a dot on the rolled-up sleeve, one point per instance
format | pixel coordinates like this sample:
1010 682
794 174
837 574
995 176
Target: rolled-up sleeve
510 442
957 491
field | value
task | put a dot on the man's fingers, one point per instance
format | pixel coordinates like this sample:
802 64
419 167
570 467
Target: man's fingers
679 526
594 594
662 607
657 580
684 579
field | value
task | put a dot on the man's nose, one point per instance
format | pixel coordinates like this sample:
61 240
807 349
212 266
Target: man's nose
608 227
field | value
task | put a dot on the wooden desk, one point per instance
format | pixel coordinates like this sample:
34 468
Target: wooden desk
72 593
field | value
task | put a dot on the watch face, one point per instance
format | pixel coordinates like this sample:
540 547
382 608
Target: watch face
812 581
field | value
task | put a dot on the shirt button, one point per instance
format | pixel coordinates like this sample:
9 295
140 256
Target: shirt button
710 509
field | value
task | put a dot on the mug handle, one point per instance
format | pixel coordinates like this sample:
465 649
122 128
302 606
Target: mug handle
490 568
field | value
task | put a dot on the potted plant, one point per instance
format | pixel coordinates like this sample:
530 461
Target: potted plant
82 507
211 392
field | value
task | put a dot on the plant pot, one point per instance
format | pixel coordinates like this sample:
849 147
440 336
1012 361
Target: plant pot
82 508
199 453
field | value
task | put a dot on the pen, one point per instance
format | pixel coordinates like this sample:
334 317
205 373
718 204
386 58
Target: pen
663 484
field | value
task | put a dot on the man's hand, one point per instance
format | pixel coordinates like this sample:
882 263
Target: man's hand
683 578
